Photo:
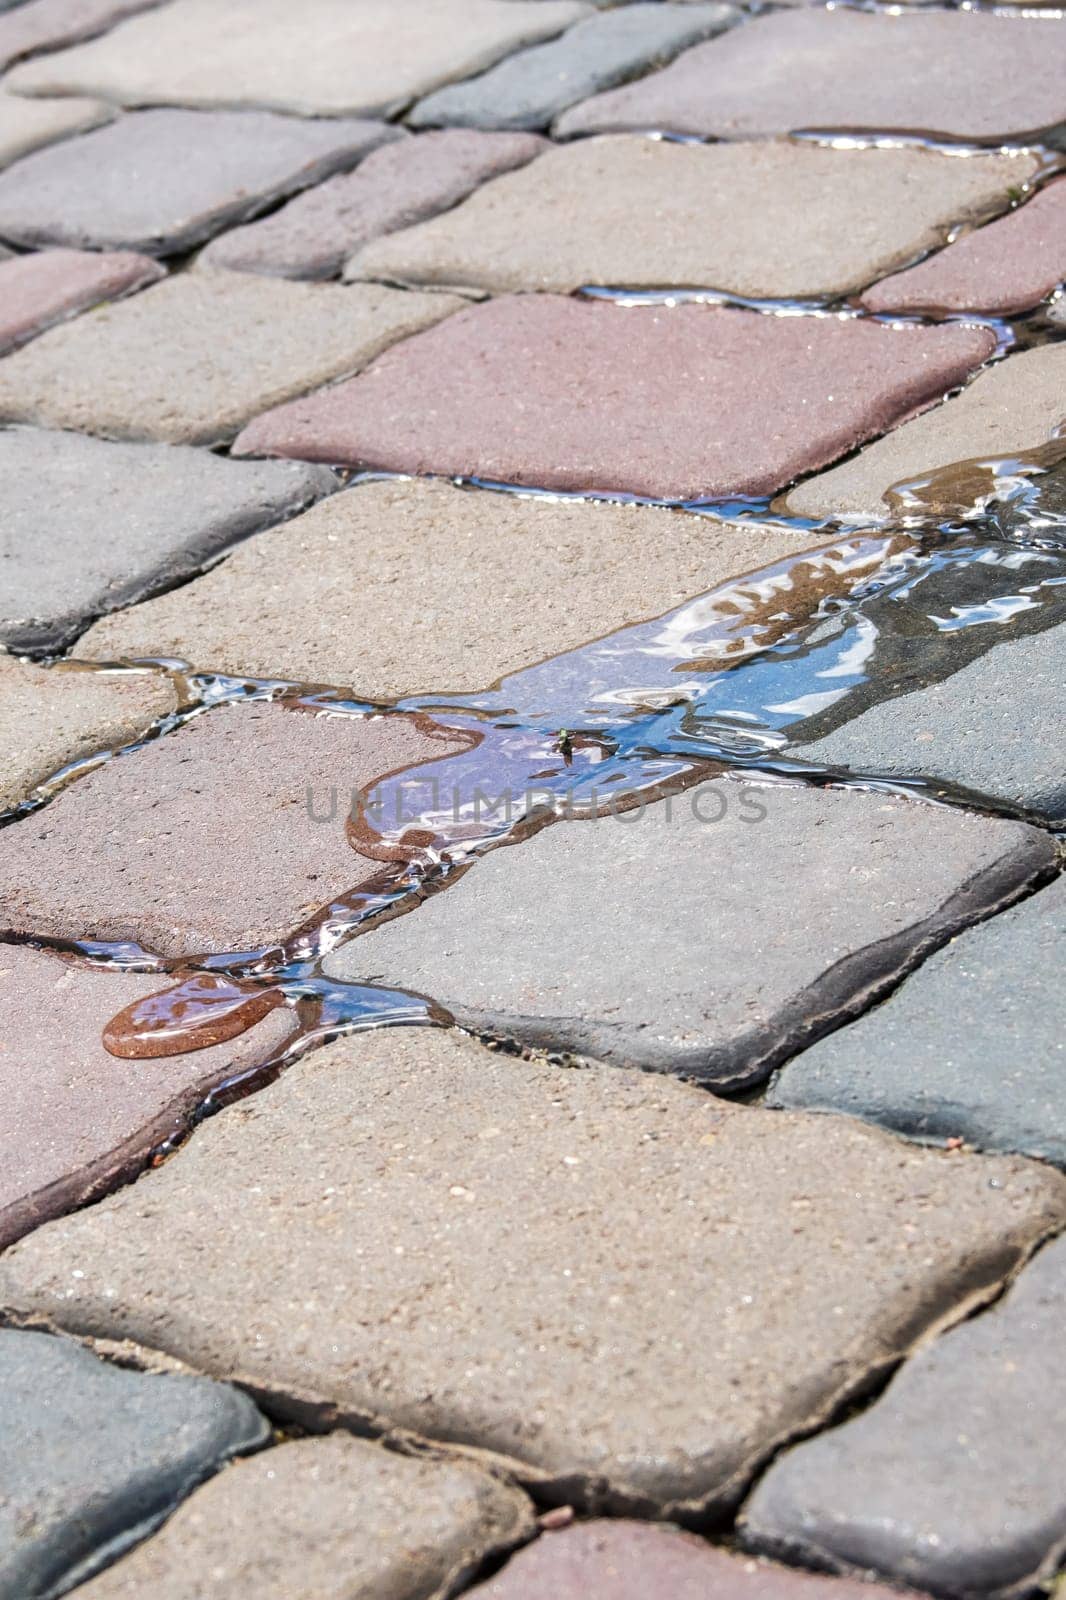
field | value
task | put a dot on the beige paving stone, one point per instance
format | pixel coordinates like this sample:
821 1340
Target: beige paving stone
46 24
25 125
48 286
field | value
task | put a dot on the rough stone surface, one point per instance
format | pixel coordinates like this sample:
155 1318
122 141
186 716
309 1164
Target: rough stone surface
527 1258
39 290
667 402
337 56
950 73
813 221
356 593
92 1456
87 526
394 187
913 1066
190 360
25 125
528 89
952 1479
161 181
325 1519
47 24
872 884
78 1121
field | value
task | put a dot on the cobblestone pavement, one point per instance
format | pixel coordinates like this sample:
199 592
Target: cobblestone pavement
532 625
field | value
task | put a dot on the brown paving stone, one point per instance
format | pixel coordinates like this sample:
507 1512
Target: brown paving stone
668 402
25 125
202 840
47 24
190 360
39 290
765 220
631 1290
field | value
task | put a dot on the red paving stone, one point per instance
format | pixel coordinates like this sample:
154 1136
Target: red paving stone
39 290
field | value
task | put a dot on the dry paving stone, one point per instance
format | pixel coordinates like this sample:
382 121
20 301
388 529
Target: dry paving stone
48 24
192 359
810 221
1015 406
956 74
78 1121
87 526
39 290
973 1045
667 402
325 1519
873 884
93 1457
530 88
953 1479
573 1269
162 181
25 125
396 186
335 57
356 592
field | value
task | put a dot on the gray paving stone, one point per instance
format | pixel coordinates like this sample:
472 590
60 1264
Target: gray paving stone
873 883
25 125
325 1519
528 89
971 1046
441 1240
162 181
347 55
959 74
398 185
47 24
164 511
48 286
93 1456
192 359
773 220
953 1478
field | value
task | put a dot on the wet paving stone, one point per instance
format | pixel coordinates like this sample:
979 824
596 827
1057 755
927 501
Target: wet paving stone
190 360
203 840
78 1121
162 181
672 400
164 510
325 1519
25 125
528 89
953 1478
396 186
442 1241
46 24
355 593
49 286
94 1456
944 73
350 55
812 221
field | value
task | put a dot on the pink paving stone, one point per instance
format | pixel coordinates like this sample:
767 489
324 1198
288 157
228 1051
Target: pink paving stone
39 290
675 402
46 24
1007 266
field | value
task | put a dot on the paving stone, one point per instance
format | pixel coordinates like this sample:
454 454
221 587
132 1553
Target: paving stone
953 1478
528 89
811 221
25 125
79 1121
1008 266
526 1258
672 401
394 187
47 24
190 360
325 1519
94 1456
961 75
354 593
203 839
165 509
345 55
1011 408
49 286
970 1046
162 181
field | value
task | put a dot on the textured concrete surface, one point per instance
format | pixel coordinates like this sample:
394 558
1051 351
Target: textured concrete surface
92 1457
951 1479
39 290
525 1258
672 401
47 24
25 125
325 1519
164 511
813 221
